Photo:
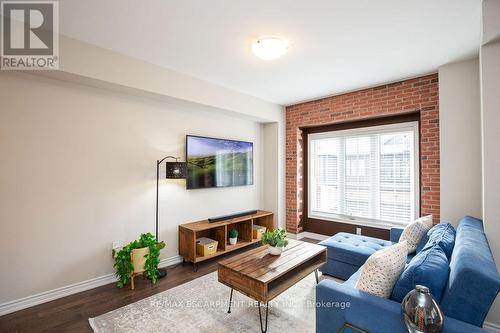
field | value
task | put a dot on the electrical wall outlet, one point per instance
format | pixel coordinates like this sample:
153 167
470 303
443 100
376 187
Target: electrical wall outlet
358 231
115 247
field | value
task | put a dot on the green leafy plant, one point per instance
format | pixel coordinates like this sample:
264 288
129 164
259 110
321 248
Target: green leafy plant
123 262
275 238
233 233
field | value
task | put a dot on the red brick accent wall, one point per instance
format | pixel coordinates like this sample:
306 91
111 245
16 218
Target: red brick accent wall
420 94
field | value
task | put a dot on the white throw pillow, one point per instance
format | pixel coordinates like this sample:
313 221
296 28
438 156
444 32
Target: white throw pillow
414 232
382 269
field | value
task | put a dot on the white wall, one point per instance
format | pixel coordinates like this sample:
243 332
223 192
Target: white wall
78 172
271 174
460 140
490 30
489 56
273 189
490 85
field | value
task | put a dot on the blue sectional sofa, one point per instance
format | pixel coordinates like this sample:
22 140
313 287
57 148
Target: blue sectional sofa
467 285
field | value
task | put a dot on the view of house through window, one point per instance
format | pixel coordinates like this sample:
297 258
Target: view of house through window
367 174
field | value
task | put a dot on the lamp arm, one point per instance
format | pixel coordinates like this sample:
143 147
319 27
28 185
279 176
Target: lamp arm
169 156
158 162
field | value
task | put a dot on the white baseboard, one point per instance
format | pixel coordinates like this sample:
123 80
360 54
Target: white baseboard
53 294
50 295
170 261
307 234
492 328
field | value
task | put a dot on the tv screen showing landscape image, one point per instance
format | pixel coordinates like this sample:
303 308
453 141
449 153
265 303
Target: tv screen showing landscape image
218 163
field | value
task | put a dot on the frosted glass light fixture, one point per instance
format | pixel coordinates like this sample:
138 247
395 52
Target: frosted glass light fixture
270 48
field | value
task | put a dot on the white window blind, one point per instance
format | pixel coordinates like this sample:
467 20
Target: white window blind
367 174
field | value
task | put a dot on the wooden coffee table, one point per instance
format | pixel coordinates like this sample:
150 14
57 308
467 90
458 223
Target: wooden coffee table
262 276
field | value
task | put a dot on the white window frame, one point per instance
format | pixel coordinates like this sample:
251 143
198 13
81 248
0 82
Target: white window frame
379 129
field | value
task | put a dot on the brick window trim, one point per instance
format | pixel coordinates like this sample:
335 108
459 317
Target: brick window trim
418 95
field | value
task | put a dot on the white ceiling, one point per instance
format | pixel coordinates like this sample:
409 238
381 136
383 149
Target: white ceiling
337 45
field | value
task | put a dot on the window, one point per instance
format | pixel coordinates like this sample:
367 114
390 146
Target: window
365 175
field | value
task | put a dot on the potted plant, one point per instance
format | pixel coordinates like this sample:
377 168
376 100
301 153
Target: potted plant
276 240
142 255
233 236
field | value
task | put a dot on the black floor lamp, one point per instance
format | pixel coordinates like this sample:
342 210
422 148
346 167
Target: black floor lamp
175 170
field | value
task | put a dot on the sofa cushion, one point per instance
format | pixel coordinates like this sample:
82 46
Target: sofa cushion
353 249
338 269
429 268
382 269
414 232
423 242
351 282
442 234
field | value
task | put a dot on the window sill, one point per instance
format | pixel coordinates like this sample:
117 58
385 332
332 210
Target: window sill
361 222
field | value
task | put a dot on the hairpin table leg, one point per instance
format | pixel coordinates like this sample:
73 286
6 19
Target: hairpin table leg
230 301
263 330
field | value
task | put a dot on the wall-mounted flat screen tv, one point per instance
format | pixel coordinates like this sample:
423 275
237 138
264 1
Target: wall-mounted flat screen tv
215 162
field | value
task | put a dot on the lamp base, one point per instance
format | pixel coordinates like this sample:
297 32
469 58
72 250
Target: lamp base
162 272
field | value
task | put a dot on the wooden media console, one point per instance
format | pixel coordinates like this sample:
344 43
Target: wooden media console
219 231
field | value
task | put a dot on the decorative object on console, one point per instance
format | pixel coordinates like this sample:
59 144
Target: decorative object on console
231 216
258 231
142 255
233 236
382 269
421 313
206 246
174 170
414 232
276 240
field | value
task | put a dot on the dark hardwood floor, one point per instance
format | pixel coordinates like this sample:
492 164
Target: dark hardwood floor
71 313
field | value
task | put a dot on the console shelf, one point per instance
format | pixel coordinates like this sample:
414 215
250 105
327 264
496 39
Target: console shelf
189 232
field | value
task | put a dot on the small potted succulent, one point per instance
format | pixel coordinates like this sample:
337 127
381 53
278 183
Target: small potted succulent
276 240
233 236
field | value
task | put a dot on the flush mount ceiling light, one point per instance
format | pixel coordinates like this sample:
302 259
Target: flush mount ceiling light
270 48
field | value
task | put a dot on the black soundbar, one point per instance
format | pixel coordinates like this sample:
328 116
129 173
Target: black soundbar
232 216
